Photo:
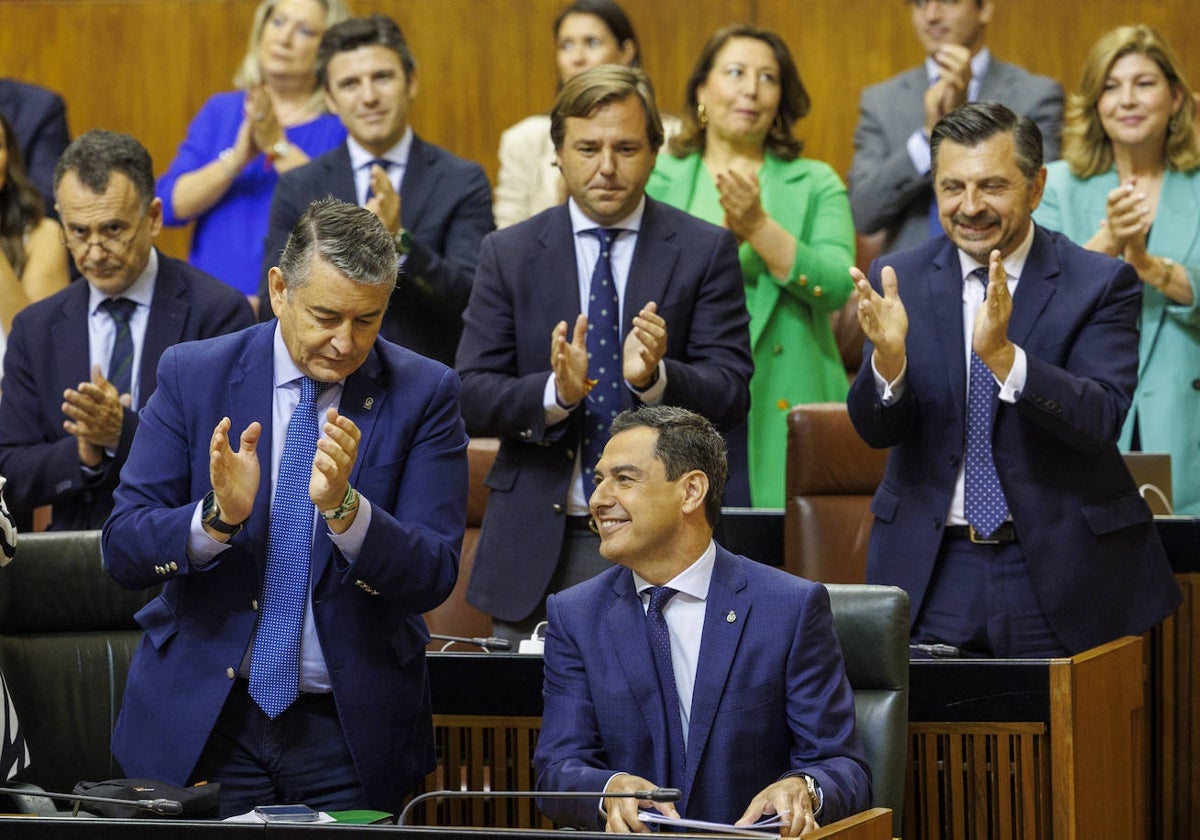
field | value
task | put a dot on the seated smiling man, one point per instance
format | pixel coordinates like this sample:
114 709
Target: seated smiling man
688 666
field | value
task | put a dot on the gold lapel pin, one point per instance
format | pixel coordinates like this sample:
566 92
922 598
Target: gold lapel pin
368 402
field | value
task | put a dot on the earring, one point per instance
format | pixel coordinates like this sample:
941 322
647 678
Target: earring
702 115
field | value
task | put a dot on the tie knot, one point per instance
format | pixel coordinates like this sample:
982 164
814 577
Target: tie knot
659 595
607 236
311 389
119 309
980 274
386 165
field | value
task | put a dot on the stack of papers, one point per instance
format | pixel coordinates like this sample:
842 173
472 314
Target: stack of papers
765 827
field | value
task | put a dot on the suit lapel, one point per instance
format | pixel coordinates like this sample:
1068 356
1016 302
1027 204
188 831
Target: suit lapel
339 174
653 265
554 271
726 611
1034 289
362 401
943 297
626 622
164 327
420 183
251 394
71 341
1175 232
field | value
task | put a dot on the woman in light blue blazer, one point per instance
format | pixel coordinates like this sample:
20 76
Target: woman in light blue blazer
1129 185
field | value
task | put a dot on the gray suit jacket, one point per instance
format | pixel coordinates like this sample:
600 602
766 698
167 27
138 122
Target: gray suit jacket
886 191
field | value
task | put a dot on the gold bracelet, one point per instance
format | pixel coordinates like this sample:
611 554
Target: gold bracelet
1168 267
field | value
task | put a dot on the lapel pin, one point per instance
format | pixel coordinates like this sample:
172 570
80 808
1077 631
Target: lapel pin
732 617
368 402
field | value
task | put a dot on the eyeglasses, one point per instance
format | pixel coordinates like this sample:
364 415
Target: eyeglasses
80 240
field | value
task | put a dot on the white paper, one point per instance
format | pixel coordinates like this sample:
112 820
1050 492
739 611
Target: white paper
762 828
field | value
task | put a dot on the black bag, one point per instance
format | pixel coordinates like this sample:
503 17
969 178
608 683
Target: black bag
199 802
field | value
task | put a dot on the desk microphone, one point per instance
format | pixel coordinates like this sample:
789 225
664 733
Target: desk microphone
488 644
654 795
156 806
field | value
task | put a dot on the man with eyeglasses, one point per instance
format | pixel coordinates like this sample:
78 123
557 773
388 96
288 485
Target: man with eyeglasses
891 189
81 362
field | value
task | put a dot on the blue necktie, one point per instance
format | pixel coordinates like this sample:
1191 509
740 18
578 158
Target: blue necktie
984 502
275 661
603 402
387 168
120 363
660 644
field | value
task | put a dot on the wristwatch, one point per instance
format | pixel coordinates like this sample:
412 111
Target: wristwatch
403 240
348 505
815 796
210 515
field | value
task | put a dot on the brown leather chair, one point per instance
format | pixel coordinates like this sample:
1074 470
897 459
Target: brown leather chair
831 477
455 617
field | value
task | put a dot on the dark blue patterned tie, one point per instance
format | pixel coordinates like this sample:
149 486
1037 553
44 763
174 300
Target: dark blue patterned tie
660 644
120 363
275 661
603 402
387 168
984 502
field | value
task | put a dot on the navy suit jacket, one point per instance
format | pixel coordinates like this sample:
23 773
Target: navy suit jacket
1088 537
445 204
771 697
48 353
411 466
886 191
526 284
39 120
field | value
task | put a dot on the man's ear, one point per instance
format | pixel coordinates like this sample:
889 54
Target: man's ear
695 491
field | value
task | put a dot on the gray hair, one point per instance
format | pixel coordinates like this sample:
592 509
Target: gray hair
96 154
686 442
969 125
349 238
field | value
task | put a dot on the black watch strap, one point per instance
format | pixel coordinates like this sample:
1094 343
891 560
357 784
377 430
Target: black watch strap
210 515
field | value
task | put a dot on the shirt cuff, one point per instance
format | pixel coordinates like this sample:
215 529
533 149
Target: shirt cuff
552 410
919 153
1011 388
202 549
890 392
654 394
350 541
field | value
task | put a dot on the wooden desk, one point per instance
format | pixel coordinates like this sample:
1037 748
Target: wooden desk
869 825
1000 749
1173 654
1028 749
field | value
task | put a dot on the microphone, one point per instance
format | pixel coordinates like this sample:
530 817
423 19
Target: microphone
157 806
488 644
659 794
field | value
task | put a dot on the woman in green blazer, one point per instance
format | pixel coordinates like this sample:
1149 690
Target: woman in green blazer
735 163
1129 185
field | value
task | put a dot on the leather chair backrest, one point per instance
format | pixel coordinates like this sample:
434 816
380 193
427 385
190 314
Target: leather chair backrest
831 476
455 617
871 623
67 636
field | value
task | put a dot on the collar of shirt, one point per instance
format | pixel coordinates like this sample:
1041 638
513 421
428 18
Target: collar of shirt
140 292
397 156
692 582
102 332
980 62
587 249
